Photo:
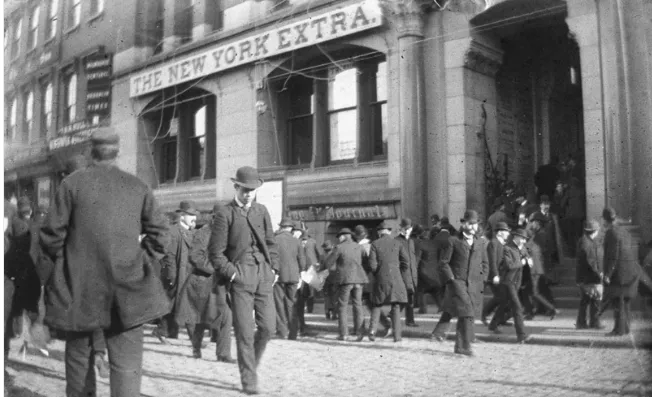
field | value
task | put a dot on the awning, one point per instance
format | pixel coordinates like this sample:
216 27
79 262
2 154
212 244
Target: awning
514 13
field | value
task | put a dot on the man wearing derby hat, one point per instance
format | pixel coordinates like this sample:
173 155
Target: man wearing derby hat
495 250
346 260
589 276
387 258
410 274
463 263
95 224
243 251
291 261
515 257
538 294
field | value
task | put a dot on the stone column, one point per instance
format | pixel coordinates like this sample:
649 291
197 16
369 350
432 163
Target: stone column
411 117
203 18
172 14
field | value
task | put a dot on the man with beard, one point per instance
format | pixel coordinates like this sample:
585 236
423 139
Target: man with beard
463 263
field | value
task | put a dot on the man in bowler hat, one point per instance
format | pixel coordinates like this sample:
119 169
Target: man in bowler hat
589 276
347 260
242 249
495 250
410 273
95 225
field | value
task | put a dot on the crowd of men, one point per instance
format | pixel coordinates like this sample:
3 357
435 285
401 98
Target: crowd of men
105 261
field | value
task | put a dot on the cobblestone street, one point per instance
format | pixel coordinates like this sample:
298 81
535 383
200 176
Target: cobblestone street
319 365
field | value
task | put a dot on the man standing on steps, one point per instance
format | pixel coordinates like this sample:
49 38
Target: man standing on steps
410 274
242 248
589 277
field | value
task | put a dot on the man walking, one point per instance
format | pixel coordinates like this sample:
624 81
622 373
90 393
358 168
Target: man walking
347 259
495 250
589 277
387 258
292 262
95 223
411 273
463 263
242 249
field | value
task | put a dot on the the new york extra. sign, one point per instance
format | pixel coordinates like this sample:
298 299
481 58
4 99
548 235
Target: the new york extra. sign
316 29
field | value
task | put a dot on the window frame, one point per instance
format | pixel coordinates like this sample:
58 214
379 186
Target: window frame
74 14
47 105
32 34
332 112
378 104
187 18
97 7
13 119
17 33
189 146
28 114
53 20
69 107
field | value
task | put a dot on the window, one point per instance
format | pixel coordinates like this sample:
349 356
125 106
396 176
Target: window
15 43
218 16
97 6
300 128
70 111
13 128
32 37
46 108
168 168
379 111
29 114
343 114
52 19
158 35
185 23
74 13
197 144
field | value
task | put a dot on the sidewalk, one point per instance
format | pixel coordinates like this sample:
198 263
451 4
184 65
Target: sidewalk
560 331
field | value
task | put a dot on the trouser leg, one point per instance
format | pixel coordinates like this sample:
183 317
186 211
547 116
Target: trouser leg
581 311
281 315
292 309
442 325
264 309
80 372
98 341
223 337
342 305
300 304
493 302
619 309
538 297
242 302
396 321
594 318
358 311
517 310
503 307
409 309
9 290
310 300
126 361
464 334
375 316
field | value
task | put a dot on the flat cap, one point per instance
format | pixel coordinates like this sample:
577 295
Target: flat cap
105 137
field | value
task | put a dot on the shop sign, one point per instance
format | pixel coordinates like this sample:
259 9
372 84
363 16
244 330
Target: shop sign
310 31
344 213
98 77
19 154
70 139
43 192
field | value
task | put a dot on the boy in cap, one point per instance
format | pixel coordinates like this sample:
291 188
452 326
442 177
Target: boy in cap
589 276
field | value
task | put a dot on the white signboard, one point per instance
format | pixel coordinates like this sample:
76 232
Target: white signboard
43 192
271 196
313 30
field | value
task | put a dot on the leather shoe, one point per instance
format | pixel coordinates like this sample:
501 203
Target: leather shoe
436 337
465 352
484 321
359 338
552 313
597 326
196 353
495 331
342 338
250 391
581 326
521 340
390 333
160 337
227 360
412 324
614 333
372 336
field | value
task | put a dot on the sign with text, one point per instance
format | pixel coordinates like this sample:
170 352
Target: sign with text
98 80
344 213
70 139
313 30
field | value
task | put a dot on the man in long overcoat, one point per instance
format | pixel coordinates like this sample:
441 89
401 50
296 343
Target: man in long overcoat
242 249
411 273
463 265
589 275
291 262
306 300
387 257
346 259
495 250
440 244
95 223
621 271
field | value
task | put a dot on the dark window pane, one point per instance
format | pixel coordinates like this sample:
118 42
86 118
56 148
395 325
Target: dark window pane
300 140
168 160
197 156
379 128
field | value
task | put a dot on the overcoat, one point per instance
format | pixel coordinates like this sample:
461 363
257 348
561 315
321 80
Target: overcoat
494 256
387 257
347 258
589 262
511 265
176 268
538 248
195 303
312 251
620 263
94 224
411 273
291 258
463 267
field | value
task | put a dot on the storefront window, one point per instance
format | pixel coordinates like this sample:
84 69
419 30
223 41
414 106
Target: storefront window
342 114
33 27
47 108
74 13
97 6
379 112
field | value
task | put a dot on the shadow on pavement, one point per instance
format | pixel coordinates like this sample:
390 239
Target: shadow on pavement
370 345
25 367
193 380
570 389
22 392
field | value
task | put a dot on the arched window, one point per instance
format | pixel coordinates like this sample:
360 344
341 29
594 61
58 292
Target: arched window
15 43
70 112
29 114
32 38
52 19
46 108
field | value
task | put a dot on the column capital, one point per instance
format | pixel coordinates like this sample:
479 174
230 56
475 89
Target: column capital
483 59
407 15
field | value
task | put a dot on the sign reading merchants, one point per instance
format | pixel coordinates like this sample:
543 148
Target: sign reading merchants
316 29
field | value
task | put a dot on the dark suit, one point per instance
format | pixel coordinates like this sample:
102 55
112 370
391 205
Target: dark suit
537 250
410 276
494 255
387 258
242 243
622 269
292 262
511 274
94 223
347 258
588 274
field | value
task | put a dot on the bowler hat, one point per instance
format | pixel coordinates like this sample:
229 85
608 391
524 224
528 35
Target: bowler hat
327 246
539 217
345 230
188 207
286 222
591 225
24 204
609 214
247 177
445 221
544 199
405 223
470 216
105 137
384 225
297 226
521 233
360 231
502 226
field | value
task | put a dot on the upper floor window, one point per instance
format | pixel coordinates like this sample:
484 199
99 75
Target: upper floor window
29 113
185 23
97 6
343 114
70 110
74 13
12 129
15 43
32 37
46 107
52 19
300 121
379 110
197 144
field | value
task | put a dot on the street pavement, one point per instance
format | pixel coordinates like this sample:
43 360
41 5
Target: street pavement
319 365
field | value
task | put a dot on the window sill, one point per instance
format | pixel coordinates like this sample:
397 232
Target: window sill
71 30
95 17
30 52
50 40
